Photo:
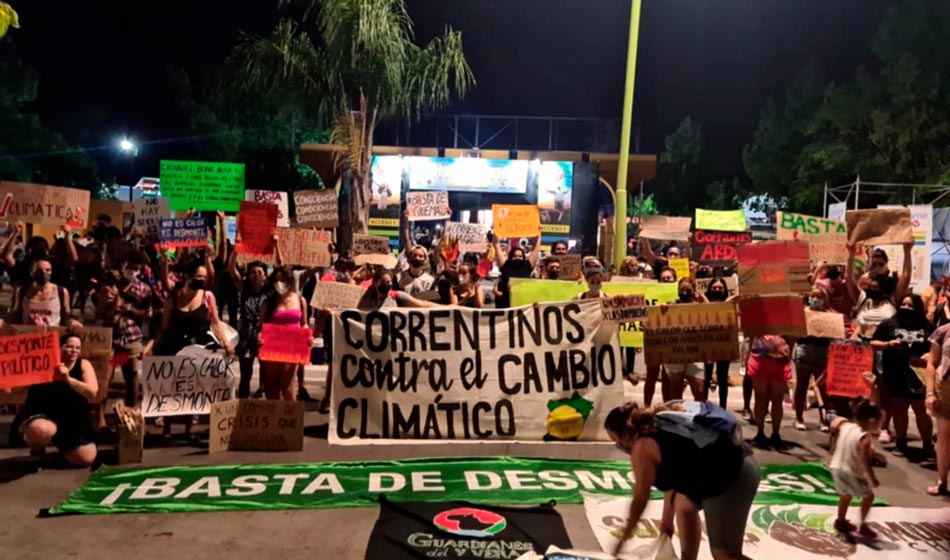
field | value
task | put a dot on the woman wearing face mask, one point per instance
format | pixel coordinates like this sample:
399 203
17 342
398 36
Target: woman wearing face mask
831 281
416 279
717 291
811 358
381 295
57 413
516 265
114 311
693 373
903 341
282 306
665 276
468 293
251 294
595 281
41 302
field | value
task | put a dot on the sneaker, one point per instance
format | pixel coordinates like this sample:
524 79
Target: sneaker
867 532
823 429
747 416
760 441
844 526
800 426
900 450
885 437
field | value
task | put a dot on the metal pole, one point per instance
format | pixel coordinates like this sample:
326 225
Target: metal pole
824 205
620 208
857 191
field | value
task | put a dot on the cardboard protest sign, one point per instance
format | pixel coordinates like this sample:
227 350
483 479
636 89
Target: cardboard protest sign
289 344
880 227
545 372
277 198
336 296
691 332
256 425
372 249
570 266
717 248
300 247
471 237
176 233
119 211
148 212
516 220
822 324
780 314
203 185
43 204
847 364
427 205
96 347
774 267
230 228
185 385
318 209
624 308
257 224
827 239
28 358
665 228
721 220
921 218
702 285
680 267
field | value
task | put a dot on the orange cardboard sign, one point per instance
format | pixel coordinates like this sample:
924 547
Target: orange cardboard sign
257 224
516 220
28 359
286 344
847 364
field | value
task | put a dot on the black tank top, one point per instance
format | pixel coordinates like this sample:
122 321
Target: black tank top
58 400
698 474
187 327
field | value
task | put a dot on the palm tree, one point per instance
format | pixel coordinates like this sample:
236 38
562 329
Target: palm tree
365 68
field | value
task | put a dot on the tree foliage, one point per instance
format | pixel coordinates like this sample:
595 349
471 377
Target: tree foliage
890 123
679 182
365 67
8 19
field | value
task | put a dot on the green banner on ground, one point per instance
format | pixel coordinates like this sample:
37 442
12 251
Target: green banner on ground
482 480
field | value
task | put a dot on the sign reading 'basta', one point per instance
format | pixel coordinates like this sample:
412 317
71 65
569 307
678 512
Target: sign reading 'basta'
550 371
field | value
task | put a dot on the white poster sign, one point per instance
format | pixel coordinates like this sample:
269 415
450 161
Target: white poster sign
551 371
280 199
837 211
148 212
921 217
185 384
471 237
803 532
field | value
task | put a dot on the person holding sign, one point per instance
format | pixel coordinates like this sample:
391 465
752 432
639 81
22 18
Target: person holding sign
937 376
717 290
41 302
251 294
516 265
57 413
381 295
468 293
282 306
903 341
692 374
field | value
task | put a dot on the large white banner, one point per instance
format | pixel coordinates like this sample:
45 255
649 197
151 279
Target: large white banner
922 218
186 384
802 532
545 372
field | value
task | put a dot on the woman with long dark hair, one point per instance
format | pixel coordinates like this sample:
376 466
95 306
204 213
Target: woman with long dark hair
518 264
251 293
282 306
717 291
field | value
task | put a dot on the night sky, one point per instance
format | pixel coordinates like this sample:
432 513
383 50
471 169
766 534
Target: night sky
105 65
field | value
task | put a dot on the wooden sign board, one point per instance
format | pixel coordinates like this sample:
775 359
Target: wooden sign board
570 267
336 296
692 332
301 247
624 308
318 209
256 425
890 226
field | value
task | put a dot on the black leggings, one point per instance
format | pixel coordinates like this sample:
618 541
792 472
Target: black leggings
722 378
247 372
630 355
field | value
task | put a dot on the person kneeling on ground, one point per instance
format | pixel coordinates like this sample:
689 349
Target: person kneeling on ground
57 413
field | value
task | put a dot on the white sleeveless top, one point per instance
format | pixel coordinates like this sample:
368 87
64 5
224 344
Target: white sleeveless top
44 313
845 458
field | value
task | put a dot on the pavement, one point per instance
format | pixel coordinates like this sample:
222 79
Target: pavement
328 533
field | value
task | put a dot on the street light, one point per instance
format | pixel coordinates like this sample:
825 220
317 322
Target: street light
127 146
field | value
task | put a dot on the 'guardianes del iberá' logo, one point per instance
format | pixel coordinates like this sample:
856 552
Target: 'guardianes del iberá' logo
470 522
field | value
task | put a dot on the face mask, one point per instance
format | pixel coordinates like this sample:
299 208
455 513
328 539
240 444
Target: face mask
595 288
553 274
129 273
905 315
196 284
42 278
417 263
833 274
281 288
686 297
816 304
716 296
384 289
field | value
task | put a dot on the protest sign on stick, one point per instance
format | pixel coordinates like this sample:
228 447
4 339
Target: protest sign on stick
680 267
277 198
257 224
692 332
28 358
774 267
317 208
289 344
302 247
570 266
717 248
665 228
624 308
256 425
471 237
43 204
335 296
847 364
203 185
824 324
183 232
372 249
185 385
827 239
777 314
148 212
721 220
880 227
516 220
427 205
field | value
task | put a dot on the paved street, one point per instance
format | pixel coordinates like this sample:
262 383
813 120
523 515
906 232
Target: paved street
336 533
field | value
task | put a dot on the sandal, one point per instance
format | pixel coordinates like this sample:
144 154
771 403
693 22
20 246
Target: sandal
939 489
